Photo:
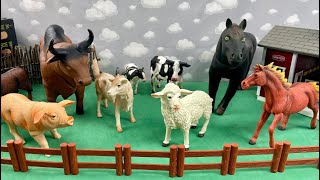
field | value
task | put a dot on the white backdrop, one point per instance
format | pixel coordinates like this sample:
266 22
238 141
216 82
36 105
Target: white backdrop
136 30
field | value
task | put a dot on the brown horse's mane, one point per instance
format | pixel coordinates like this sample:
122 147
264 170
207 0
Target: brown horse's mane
280 75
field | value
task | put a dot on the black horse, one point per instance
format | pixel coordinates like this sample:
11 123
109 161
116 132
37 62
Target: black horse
231 60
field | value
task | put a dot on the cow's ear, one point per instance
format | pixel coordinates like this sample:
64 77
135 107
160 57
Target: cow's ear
65 103
228 23
53 59
185 64
90 50
243 24
38 116
170 62
157 94
185 92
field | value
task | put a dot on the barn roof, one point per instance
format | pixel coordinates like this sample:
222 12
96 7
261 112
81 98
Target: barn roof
292 39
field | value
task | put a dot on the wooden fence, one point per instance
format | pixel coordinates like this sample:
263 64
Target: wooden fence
176 155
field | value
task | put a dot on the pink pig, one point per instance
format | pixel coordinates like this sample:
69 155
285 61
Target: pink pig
35 117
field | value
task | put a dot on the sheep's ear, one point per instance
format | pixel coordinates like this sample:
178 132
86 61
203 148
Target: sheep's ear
124 81
185 92
157 94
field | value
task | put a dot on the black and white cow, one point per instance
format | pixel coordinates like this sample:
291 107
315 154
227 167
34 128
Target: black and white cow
134 74
163 68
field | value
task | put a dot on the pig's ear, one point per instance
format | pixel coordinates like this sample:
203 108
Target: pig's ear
38 116
65 103
123 81
157 94
185 92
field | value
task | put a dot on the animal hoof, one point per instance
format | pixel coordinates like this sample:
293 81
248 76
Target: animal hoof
79 112
200 135
252 142
193 127
313 127
220 111
164 144
186 149
281 128
135 93
106 106
47 155
132 120
158 86
99 115
57 136
119 129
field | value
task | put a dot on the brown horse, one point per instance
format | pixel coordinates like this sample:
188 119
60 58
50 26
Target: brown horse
15 79
282 98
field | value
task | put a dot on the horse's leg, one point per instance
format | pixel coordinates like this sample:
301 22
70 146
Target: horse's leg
231 91
284 122
214 80
263 119
277 118
315 110
79 98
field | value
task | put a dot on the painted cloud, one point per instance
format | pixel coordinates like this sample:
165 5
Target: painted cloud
79 26
196 21
266 27
64 10
101 9
32 5
153 3
135 49
185 44
132 7
128 24
109 35
205 38
153 19
106 55
149 35
174 28
272 11
187 76
206 56
314 12
34 22
12 10
213 7
33 38
160 48
248 16
292 20
221 27
184 6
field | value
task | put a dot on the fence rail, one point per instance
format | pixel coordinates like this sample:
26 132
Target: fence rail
177 154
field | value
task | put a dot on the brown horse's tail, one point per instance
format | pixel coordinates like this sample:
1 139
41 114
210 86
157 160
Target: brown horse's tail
316 87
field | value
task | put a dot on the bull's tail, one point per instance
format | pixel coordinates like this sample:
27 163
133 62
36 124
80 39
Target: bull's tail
316 88
95 68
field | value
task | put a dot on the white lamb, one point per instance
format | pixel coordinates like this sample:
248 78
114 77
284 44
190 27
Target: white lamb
183 112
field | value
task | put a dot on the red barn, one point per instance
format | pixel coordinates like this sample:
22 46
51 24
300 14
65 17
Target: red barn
296 52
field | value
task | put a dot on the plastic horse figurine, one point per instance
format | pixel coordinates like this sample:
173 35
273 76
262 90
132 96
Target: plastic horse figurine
15 79
282 98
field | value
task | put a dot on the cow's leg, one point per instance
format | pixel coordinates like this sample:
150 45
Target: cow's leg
153 78
79 98
159 83
55 134
214 80
166 140
51 96
263 119
117 115
231 91
99 115
136 87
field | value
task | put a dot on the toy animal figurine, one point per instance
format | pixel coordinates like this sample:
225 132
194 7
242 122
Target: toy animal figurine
117 89
35 117
232 59
134 75
15 79
164 69
64 65
183 113
282 98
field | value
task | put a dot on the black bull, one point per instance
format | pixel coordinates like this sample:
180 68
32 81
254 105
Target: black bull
231 60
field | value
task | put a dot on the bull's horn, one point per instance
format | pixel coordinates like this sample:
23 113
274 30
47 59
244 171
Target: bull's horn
57 51
83 45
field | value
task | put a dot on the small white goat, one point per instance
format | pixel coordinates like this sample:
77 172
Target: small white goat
183 112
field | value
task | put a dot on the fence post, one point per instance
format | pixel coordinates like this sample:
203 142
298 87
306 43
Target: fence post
18 144
233 159
284 156
173 161
225 159
276 157
73 159
118 152
181 153
65 158
127 159
13 155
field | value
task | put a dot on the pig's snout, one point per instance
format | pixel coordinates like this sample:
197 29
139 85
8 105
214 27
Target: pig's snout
174 79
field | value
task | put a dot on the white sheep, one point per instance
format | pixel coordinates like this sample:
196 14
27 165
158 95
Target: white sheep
184 112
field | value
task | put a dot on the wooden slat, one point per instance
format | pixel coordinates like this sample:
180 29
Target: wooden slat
202 166
44 164
203 153
97 165
253 164
93 152
150 166
150 154
49 151
302 161
5 161
255 151
4 149
304 149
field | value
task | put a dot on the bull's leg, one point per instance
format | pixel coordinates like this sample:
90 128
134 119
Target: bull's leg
231 91
51 96
55 134
284 122
153 79
132 119
99 115
41 140
79 98
214 80
277 118
166 140
117 115
136 87
263 119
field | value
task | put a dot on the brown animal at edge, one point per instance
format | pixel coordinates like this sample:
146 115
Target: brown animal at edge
64 65
15 79
282 98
